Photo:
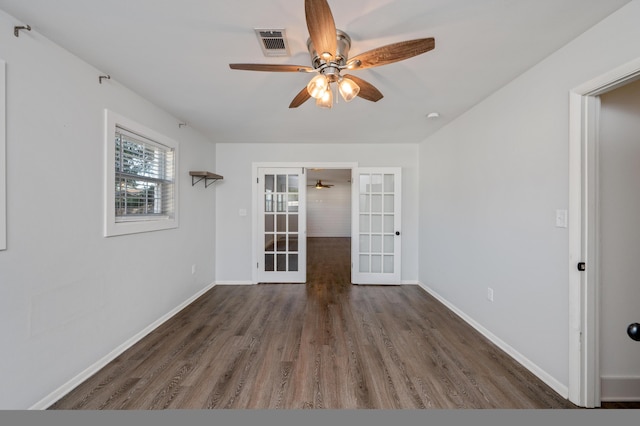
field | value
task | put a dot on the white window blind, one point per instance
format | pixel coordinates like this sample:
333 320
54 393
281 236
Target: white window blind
144 178
141 178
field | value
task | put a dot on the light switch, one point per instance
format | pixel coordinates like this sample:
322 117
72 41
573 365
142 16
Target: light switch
561 218
242 212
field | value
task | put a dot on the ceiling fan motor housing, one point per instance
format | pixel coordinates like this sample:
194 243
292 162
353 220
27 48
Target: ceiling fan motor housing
331 69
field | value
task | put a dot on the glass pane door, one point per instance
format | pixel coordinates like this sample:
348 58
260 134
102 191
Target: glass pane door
282 220
376 227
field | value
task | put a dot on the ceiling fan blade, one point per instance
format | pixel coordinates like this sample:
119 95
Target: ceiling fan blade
300 98
322 28
391 53
367 90
271 67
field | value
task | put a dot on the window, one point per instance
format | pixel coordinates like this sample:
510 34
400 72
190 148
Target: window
141 178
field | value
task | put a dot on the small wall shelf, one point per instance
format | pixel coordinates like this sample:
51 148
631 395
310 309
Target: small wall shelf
208 178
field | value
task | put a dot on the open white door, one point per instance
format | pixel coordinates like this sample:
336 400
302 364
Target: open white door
282 254
376 237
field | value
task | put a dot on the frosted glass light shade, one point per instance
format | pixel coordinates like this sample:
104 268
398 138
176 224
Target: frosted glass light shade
326 101
318 86
348 89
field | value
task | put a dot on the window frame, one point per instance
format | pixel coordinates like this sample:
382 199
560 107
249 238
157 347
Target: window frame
131 225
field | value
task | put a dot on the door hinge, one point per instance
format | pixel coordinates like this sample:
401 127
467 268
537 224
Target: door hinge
257 265
582 266
257 180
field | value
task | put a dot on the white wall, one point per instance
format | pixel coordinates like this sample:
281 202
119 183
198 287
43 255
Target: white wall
619 201
68 295
234 162
329 211
491 182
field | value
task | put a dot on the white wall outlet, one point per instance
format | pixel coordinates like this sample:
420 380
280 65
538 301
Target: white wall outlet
193 269
490 294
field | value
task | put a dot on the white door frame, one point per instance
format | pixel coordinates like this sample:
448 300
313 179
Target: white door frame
254 197
584 287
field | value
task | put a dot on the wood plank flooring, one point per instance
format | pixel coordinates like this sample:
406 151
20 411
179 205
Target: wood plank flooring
324 344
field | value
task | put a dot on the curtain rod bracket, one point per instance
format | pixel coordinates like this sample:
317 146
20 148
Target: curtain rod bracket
16 30
108 77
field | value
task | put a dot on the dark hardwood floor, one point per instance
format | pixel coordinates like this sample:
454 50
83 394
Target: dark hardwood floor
326 344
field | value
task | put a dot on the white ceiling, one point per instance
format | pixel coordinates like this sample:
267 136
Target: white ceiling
176 54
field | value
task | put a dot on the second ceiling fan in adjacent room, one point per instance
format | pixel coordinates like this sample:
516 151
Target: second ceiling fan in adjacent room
320 185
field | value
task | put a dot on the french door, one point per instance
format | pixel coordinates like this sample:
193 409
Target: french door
375 242
282 225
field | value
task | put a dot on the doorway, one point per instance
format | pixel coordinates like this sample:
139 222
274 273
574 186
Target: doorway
586 237
328 229
375 219
276 226
619 242
328 203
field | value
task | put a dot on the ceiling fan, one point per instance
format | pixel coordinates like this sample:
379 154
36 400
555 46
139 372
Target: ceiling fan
320 185
329 50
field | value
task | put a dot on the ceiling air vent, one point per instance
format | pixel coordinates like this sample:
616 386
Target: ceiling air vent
273 42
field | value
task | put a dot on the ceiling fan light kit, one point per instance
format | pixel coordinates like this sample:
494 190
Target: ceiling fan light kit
328 67
333 46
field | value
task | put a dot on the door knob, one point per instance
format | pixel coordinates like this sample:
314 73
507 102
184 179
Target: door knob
634 331
397 232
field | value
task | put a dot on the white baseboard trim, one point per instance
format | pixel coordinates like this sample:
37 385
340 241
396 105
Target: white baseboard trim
615 388
235 283
54 396
410 282
557 386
